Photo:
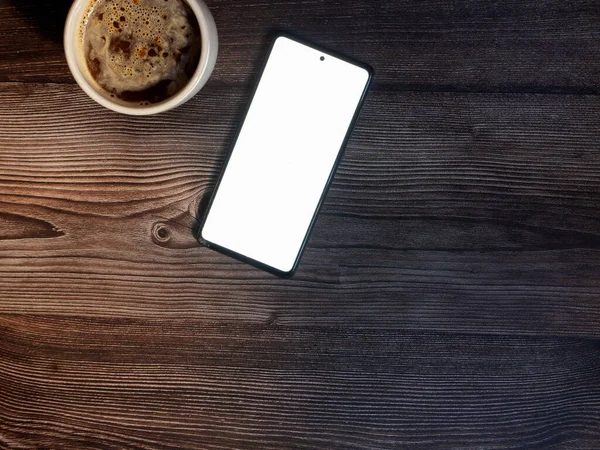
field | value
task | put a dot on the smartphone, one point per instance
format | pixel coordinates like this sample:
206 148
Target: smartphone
284 155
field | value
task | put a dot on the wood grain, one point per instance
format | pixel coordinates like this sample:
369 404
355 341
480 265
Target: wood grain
449 296
443 204
525 46
197 384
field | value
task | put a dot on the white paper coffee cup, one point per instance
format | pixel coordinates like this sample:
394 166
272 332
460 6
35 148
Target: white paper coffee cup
78 66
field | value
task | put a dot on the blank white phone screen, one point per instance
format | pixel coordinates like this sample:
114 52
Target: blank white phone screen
284 154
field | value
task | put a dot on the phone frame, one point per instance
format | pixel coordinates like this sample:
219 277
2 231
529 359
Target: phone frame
334 167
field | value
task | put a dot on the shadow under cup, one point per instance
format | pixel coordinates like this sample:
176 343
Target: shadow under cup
78 65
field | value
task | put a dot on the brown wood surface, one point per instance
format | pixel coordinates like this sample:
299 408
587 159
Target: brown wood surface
449 296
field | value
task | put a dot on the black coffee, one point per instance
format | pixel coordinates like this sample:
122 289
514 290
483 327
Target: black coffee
141 51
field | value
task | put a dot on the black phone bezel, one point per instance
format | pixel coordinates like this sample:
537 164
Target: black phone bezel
246 259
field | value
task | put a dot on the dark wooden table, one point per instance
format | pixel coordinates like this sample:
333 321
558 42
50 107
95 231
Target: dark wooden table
449 296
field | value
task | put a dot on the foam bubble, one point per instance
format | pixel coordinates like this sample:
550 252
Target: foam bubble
139 43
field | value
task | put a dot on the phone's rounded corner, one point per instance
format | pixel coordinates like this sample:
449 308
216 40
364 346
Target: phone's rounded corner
279 34
292 270
369 73
200 238
287 275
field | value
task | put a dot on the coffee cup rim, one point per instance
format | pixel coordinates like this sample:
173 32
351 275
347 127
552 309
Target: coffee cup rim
208 55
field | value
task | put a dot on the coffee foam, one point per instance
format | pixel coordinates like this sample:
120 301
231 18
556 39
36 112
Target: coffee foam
131 45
